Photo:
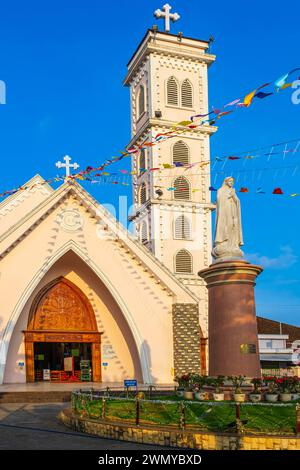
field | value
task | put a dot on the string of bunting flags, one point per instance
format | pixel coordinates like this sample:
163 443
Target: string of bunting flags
279 84
90 175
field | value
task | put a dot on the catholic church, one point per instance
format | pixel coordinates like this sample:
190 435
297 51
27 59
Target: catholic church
76 287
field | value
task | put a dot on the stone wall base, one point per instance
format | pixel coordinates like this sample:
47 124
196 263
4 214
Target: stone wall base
190 439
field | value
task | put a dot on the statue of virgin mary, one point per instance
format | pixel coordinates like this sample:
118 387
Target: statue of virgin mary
228 231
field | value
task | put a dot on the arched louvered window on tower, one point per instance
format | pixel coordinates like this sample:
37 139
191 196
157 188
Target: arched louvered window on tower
186 94
142 161
144 232
183 262
180 153
172 92
182 189
141 100
182 228
143 194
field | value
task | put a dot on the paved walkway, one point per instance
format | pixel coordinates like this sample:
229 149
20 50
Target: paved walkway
48 387
35 426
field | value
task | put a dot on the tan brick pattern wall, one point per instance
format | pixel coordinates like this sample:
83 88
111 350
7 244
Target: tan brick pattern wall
177 438
186 339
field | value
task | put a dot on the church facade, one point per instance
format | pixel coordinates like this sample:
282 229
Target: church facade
75 283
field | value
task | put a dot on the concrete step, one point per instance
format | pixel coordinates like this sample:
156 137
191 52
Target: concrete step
35 397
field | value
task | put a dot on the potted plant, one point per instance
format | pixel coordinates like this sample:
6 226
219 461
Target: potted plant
271 394
295 388
199 382
237 382
218 382
181 384
285 387
186 386
255 395
189 388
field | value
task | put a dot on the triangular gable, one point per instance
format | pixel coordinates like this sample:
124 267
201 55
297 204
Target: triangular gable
113 229
13 208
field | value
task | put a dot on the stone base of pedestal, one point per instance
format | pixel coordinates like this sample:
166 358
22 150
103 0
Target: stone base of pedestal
233 343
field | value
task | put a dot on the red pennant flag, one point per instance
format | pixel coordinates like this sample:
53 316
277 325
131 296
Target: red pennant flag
234 158
277 191
244 190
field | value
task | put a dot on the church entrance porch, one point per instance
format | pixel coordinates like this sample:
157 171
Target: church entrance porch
62 342
64 354
52 359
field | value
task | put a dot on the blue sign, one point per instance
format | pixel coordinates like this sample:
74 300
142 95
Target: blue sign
105 364
130 383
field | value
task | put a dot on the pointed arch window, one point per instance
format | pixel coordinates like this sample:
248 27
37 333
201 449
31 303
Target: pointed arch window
144 233
142 162
182 191
172 92
186 94
181 153
141 101
182 228
143 194
183 262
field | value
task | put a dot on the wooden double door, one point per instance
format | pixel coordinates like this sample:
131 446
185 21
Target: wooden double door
61 313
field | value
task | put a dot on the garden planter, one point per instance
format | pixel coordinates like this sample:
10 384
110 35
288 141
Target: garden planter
188 395
201 395
180 392
239 397
255 397
271 397
218 396
285 397
295 396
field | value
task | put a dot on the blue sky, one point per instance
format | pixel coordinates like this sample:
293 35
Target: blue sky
63 65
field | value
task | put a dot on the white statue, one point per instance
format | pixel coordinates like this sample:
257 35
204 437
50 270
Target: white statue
228 232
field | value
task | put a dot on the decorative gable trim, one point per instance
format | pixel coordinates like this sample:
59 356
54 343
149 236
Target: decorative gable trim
16 199
114 230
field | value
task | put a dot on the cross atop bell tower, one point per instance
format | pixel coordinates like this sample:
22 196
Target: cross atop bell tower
167 16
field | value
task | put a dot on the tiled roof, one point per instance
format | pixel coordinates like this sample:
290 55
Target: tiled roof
269 327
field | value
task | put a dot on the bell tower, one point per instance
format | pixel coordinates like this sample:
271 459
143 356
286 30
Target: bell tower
167 77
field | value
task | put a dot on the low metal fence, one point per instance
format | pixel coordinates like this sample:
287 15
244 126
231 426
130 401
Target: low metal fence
227 416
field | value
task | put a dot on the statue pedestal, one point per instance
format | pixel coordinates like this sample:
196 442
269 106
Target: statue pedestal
232 337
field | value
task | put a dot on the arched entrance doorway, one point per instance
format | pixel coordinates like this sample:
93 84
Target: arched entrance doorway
62 335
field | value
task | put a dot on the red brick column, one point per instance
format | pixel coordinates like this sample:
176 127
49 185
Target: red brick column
232 337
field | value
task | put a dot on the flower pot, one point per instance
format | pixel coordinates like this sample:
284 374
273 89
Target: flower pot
271 397
188 395
295 396
179 392
255 397
218 396
239 397
285 397
201 395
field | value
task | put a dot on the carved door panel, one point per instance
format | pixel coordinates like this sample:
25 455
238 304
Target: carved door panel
62 313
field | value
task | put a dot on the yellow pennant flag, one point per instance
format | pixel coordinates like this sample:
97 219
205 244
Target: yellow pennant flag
204 164
184 123
248 98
